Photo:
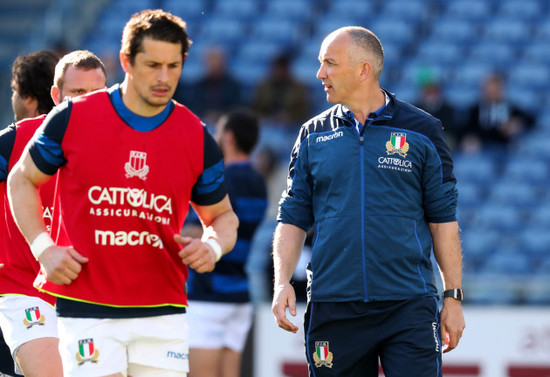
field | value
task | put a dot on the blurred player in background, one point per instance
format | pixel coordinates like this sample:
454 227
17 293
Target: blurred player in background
130 160
220 311
27 316
373 175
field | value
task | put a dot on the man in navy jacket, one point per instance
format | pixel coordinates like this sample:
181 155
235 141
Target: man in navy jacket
373 176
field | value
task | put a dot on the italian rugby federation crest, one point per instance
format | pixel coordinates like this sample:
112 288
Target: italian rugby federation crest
137 165
33 317
86 352
322 356
397 144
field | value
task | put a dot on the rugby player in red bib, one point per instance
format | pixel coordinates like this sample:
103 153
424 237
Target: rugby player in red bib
27 316
130 160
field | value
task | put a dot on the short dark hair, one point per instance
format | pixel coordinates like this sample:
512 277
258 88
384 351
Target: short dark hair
32 76
244 124
156 24
82 59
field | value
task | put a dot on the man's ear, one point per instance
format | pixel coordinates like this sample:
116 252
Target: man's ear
31 106
124 62
366 70
55 92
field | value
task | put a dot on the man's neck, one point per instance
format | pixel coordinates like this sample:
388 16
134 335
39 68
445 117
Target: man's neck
375 99
235 157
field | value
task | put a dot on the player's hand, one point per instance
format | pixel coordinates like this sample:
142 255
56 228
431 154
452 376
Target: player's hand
196 254
452 323
61 265
284 297
1 265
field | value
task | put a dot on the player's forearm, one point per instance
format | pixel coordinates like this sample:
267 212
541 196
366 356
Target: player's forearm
25 203
448 253
224 229
288 242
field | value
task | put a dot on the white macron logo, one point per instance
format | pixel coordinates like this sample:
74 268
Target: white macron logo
321 139
121 238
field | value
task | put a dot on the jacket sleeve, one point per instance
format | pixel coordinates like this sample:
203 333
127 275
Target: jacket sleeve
440 193
295 206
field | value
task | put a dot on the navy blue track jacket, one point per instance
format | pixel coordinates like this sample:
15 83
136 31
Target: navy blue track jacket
370 197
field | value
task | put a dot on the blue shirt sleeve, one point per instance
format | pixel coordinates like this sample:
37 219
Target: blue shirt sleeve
439 182
7 140
45 146
210 186
296 205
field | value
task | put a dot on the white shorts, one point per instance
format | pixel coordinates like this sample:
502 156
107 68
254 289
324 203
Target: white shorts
93 347
25 318
218 324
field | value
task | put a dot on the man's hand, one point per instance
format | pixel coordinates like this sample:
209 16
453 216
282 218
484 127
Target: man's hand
196 254
61 264
284 297
452 323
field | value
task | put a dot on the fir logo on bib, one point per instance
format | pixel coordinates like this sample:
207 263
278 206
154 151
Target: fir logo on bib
322 356
86 351
33 317
137 165
397 144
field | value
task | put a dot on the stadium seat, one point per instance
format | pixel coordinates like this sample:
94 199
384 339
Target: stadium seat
276 29
469 9
511 192
188 10
327 23
479 243
535 241
536 75
415 11
524 9
542 30
462 96
499 54
242 10
539 217
526 170
509 30
478 169
508 262
471 73
295 10
441 52
359 9
394 30
499 216
249 73
223 31
255 51
449 28
537 52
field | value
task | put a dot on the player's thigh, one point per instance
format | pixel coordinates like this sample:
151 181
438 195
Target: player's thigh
415 347
337 342
231 363
205 362
40 357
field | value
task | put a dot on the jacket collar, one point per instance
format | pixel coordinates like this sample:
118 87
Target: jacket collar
342 112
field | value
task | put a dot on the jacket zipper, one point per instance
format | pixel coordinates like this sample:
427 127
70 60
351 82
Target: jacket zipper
362 188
